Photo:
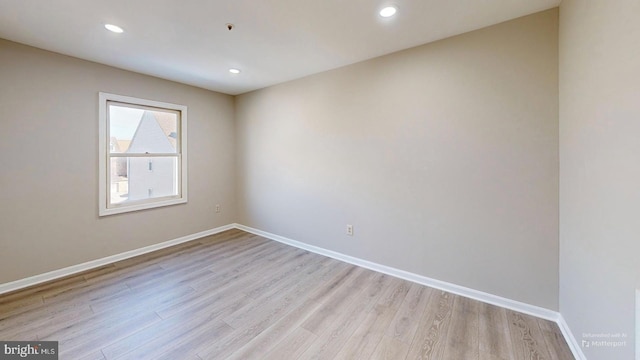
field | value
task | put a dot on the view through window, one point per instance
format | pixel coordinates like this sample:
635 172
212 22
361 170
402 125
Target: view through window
144 159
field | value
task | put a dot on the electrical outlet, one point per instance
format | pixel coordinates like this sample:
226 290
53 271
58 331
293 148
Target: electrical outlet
349 229
218 208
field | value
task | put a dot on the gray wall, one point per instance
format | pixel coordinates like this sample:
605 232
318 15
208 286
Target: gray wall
600 169
49 173
443 157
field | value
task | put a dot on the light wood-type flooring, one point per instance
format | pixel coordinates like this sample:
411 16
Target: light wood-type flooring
235 295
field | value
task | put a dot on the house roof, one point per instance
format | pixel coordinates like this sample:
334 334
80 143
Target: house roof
150 137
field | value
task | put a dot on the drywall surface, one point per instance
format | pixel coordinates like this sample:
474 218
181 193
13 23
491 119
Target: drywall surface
49 164
600 173
444 158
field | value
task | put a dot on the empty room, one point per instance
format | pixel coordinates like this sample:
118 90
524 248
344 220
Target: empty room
279 179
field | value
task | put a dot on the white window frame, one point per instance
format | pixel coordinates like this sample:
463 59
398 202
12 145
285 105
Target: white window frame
104 156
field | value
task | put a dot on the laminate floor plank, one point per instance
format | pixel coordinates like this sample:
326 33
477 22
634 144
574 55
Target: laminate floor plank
228 284
236 340
88 291
227 295
19 304
333 336
95 355
296 343
80 341
42 312
404 326
20 298
216 254
244 268
527 339
363 342
494 336
116 278
430 339
58 320
286 329
181 341
555 342
395 293
462 338
390 349
171 327
142 300
290 272
343 293
303 306
280 299
170 252
195 342
238 296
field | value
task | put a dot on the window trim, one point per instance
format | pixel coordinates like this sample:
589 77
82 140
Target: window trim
104 156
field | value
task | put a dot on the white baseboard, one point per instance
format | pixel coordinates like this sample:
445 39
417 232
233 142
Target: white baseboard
437 284
56 274
575 347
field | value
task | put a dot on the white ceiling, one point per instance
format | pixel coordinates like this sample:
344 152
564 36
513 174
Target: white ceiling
273 40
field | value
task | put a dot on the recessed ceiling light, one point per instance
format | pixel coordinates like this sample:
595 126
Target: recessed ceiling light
234 71
114 28
388 11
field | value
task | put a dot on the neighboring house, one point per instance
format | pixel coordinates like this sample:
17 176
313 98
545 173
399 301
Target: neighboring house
119 182
119 166
151 176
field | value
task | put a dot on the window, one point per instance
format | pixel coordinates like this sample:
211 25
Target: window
143 154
